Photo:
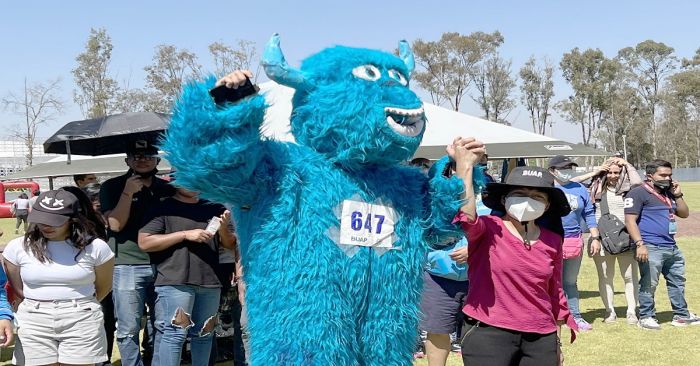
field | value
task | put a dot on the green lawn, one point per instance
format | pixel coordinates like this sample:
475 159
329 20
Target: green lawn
620 344
616 344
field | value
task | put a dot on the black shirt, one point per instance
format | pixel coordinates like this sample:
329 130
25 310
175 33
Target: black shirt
187 262
124 243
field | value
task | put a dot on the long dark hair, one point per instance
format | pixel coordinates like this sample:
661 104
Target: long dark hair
84 227
88 210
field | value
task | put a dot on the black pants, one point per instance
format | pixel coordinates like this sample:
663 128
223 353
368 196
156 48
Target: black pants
110 323
486 345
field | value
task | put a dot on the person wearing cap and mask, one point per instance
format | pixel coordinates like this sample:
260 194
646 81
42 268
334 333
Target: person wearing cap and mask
582 209
60 270
124 200
515 302
650 212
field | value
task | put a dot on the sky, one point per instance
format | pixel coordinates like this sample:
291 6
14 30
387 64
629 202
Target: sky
39 40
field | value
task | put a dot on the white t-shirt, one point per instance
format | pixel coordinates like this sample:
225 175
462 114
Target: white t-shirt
22 204
63 278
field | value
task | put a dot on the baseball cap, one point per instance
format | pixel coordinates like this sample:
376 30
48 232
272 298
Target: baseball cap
561 161
53 208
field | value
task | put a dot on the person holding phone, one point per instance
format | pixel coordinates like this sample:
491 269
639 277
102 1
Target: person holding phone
124 200
650 217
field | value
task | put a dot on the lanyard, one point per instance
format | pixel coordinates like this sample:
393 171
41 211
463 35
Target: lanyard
667 201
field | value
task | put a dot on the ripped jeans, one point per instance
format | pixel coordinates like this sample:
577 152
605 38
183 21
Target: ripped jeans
182 312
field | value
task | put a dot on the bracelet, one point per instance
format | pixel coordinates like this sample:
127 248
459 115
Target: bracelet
679 196
636 243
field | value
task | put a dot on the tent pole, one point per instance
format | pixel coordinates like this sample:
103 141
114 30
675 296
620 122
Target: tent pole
67 152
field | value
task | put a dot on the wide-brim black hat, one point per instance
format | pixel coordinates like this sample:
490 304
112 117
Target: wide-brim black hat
527 177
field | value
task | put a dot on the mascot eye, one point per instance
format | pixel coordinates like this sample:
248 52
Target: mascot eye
367 72
398 77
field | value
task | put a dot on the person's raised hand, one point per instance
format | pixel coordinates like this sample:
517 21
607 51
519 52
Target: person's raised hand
133 185
468 151
235 79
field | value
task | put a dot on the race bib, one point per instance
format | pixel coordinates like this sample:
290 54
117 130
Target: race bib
368 225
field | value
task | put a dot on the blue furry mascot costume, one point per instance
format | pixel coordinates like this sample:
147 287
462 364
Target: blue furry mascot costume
334 229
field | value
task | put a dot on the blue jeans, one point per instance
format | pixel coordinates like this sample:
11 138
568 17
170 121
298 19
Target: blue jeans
133 287
569 277
669 262
184 311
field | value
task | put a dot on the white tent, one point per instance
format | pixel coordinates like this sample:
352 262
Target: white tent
443 126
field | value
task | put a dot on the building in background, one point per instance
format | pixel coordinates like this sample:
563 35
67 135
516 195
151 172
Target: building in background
13 155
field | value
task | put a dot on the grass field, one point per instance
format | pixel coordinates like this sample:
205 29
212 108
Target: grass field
615 344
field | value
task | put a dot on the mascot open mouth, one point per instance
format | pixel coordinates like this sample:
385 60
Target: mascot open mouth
406 122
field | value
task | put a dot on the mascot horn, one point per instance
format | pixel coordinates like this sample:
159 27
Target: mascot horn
333 229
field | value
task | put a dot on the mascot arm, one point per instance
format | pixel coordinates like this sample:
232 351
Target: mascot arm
216 150
443 203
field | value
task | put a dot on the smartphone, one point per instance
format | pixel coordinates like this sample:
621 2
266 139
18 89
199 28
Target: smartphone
222 94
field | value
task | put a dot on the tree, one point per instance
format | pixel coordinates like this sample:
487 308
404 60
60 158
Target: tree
170 69
494 86
38 104
447 66
695 61
646 65
590 75
96 89
227 59
681 122
537 91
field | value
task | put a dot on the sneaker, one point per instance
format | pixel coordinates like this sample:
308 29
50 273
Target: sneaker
649 323
632 319
683 321
583 325
612 318
456 348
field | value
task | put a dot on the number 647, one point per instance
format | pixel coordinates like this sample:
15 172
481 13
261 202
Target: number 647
357 223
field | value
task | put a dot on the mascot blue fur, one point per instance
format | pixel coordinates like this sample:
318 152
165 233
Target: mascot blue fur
334 229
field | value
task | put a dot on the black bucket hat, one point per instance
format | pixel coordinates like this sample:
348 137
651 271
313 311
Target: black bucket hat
527 177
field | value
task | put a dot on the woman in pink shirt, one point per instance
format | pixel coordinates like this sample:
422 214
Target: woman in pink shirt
516 302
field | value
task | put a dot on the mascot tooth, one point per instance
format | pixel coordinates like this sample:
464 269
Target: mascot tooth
334 229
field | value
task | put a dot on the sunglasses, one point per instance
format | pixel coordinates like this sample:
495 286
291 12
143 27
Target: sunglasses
143 157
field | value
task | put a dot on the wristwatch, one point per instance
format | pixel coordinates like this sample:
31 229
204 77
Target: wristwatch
678 196
590 240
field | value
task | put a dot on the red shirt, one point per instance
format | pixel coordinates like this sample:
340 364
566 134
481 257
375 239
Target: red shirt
511 286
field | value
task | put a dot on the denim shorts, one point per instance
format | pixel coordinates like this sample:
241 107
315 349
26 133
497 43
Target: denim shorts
441 304
63 331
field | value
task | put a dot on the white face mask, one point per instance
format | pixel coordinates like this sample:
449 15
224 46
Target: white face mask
524 208
564 175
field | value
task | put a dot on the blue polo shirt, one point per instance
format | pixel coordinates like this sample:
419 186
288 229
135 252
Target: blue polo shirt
654 215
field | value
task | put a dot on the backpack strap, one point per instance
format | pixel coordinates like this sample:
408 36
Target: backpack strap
604 208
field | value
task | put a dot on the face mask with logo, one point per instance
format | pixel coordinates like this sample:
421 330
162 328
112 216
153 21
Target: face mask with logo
524 209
